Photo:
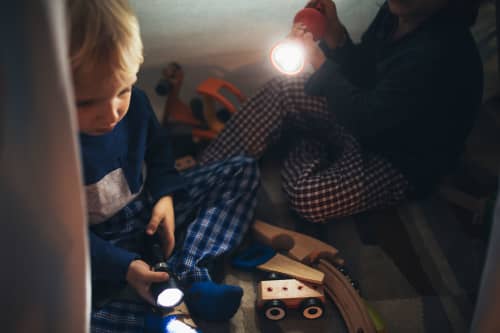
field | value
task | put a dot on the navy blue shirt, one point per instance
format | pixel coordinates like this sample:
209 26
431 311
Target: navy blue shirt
413 100
135 156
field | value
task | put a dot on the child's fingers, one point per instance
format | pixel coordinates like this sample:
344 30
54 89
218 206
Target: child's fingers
154 223
152 276
309 37
297 30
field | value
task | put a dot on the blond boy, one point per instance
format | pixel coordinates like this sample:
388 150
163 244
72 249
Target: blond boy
132 187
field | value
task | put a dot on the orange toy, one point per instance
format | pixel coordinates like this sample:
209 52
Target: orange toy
210 90
176 111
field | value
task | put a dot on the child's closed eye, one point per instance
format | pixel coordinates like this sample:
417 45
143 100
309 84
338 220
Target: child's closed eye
125 91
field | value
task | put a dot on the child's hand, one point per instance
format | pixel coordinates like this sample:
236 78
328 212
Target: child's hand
163 217
298 30
140 276
335 33
314 54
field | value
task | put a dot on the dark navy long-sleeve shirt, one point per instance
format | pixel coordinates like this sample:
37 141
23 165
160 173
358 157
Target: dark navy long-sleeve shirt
135 156
412 100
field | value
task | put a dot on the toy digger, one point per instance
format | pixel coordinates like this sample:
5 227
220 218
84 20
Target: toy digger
202 115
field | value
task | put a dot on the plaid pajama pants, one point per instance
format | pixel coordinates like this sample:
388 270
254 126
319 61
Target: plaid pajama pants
325 174
214 217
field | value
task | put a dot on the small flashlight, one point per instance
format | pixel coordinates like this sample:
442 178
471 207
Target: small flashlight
289 56
166 294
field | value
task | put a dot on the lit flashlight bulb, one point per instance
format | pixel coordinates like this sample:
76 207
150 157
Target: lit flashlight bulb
288 57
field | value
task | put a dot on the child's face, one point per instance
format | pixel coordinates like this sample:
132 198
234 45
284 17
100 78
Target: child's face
102 101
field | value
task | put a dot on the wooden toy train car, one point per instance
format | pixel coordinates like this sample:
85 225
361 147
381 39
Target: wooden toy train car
276 297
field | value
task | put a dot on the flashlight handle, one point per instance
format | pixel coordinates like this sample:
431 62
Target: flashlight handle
157 253
161 266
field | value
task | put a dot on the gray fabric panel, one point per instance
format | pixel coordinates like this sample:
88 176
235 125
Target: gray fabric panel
106 197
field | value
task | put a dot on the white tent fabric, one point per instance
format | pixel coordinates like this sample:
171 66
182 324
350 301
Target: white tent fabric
45 270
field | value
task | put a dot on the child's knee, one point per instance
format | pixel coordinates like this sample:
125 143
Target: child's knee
308 207
311 215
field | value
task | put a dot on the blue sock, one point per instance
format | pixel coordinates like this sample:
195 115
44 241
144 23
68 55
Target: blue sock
210 301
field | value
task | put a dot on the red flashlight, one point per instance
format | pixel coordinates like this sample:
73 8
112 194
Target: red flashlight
313 17
288 56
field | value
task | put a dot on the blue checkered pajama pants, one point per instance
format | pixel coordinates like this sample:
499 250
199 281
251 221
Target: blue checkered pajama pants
325 174
215 215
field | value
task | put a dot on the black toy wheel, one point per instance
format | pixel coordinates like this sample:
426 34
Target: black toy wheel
274 310
312 308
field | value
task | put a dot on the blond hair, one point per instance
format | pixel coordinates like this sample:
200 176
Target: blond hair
104 33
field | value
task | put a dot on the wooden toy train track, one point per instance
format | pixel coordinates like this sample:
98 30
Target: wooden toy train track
324 258
347 299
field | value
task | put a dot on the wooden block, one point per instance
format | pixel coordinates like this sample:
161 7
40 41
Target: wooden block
284 265
304 248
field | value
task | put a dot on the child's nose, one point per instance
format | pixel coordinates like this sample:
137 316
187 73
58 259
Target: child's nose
113 112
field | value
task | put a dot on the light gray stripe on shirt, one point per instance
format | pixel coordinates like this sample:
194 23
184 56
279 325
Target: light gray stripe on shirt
108 196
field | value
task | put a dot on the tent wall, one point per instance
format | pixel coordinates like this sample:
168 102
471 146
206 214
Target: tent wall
45 271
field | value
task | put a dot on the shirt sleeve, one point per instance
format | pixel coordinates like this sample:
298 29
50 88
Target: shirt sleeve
352 60
109 262
342 54
404 89
356 61
162 177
